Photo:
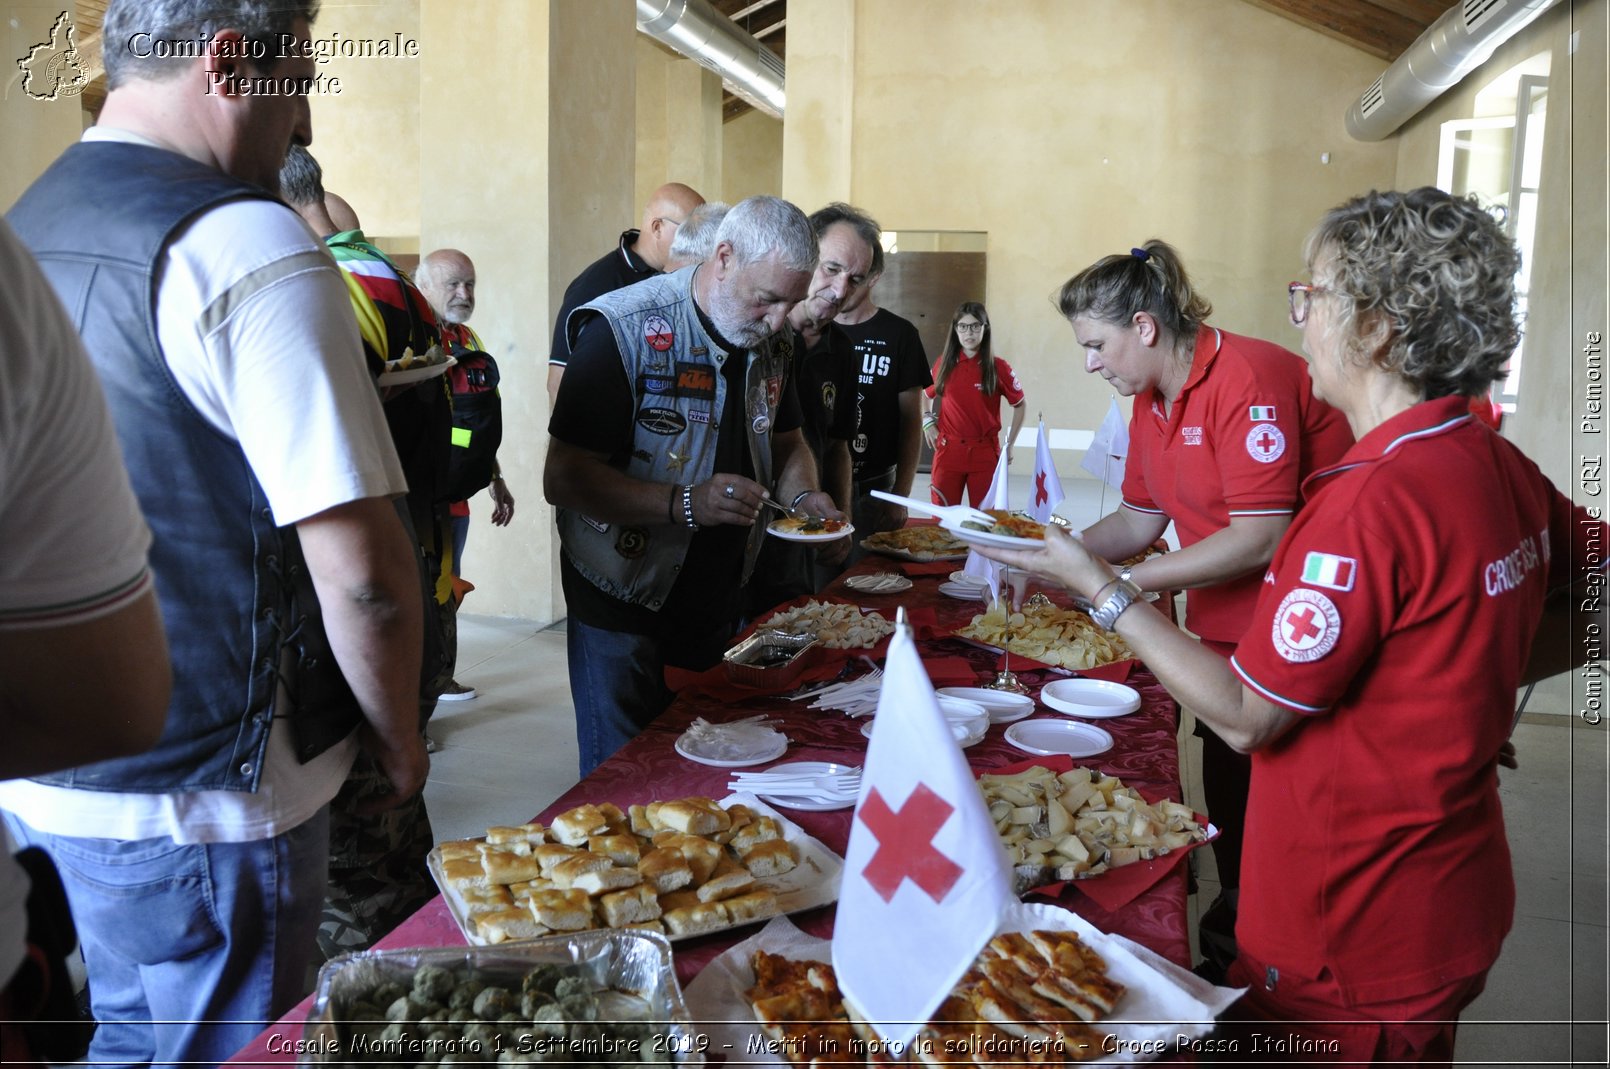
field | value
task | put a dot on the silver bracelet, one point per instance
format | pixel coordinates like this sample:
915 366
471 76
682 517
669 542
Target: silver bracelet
687 508
801 496
1123 596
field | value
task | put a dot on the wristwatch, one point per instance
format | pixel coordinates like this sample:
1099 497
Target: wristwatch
1124 595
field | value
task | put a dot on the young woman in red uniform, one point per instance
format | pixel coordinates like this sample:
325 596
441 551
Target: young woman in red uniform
1426 577
1223 430
963 424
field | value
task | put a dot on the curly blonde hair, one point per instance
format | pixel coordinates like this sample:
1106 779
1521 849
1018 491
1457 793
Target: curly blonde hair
1439 273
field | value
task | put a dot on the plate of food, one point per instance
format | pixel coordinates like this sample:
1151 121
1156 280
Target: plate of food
1011 530
411 369
921 542
1063 638
809 529
682 866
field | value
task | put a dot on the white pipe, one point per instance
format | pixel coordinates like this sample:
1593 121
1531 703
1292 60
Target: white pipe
697 30
1458 42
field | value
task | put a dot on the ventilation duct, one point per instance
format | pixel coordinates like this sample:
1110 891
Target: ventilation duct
749 69
1457 43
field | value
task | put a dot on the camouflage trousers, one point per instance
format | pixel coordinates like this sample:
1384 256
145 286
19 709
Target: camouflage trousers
378 876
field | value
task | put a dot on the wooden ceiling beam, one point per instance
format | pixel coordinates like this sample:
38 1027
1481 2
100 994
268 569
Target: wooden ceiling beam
1366 26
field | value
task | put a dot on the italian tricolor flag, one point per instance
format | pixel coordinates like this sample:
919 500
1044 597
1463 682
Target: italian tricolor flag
1329 570
1263 413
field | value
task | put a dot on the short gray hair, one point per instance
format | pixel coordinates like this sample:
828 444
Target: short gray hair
1439 271
155 39
762 227
864 225
696 237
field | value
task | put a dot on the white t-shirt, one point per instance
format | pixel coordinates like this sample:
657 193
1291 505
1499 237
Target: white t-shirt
256 327
75 540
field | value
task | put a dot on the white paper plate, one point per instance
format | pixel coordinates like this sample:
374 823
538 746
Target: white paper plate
959 576
1048 737
1003 706
987 538
964 591
733 747
878 583
1093 699
810 805
417 373
963 733
774 529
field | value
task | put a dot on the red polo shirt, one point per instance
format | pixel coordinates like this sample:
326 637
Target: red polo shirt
1397 616
1238 441
966 412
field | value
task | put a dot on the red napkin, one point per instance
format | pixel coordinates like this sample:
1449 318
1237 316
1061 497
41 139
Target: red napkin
919 568
1115 888
713 682
950 671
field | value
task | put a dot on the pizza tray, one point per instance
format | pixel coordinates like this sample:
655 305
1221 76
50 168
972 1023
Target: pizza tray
813 882
905 554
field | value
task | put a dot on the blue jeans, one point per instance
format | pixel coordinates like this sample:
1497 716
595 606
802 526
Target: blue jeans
617 683
191 950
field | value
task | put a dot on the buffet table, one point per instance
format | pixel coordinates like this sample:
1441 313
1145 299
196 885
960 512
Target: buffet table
1144 756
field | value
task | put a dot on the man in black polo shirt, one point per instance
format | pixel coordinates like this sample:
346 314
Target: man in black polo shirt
640 254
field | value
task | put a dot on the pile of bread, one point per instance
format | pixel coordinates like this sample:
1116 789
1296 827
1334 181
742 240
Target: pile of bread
680 867
1029 999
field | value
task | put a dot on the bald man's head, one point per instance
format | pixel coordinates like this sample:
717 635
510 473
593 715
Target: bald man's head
447 279
341 213
666 210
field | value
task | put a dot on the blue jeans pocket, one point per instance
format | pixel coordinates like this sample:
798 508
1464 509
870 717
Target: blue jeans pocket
151 898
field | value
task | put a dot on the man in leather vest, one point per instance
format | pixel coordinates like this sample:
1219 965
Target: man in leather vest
675 417
256 446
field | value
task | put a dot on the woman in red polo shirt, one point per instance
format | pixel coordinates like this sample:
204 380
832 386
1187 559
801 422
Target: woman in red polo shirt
1223 430
963 424
1376 683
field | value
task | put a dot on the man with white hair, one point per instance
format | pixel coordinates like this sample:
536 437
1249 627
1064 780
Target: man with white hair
226 345
696 238
676 417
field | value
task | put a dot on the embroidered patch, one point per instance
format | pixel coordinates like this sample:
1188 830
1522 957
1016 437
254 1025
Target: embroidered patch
1192 435
1306 626
696 380
1262 413
1265 443
1330 571
666 421
699 415
657 384
657 332
830 394
632 542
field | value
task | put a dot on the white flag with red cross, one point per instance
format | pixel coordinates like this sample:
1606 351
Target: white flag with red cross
997 498
1046 494
925 875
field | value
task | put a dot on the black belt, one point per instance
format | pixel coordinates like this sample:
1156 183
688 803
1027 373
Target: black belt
883 480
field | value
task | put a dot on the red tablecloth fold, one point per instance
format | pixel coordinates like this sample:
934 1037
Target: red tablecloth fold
1115 888
1116 672
951 671
920 568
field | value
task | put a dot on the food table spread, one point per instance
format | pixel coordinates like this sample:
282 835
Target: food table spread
1144 756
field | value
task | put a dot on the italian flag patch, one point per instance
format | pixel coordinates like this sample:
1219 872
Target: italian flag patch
1262 413
1330 571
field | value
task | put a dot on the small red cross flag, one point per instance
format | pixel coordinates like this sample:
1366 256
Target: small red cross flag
1046 493
925 876
977 564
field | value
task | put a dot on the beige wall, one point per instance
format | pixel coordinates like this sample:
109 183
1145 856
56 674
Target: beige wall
32 132
679 131
1569 270
1202 123
752 157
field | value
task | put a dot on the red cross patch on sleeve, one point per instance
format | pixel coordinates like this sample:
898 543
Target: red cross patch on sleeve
1306 626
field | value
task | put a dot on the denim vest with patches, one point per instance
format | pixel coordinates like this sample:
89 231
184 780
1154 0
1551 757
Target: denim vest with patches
673 367
235 597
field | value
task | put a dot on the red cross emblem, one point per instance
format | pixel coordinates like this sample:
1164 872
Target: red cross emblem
1041 494
1307 625
905 844
1265 443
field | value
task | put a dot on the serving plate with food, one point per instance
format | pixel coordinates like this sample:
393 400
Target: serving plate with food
809 529
414 367
1063 638
683 867
836 624
1009 530
922 542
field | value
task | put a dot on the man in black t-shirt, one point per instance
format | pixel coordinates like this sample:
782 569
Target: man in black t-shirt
640 254
676 416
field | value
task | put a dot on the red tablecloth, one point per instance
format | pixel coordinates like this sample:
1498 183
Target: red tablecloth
1144 755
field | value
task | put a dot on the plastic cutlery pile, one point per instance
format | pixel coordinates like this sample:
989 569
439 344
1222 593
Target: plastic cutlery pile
858 697
825 788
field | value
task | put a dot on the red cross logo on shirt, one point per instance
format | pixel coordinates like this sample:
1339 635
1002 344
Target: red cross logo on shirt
905 844
1265 443
1041 494
1300 626
1307 625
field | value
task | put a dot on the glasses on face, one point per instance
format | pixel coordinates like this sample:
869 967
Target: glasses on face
1300 293
969 328
667 219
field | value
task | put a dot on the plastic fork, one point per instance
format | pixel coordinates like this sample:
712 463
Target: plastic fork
798 514
956 515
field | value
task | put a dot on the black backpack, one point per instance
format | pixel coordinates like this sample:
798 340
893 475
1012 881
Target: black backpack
477 423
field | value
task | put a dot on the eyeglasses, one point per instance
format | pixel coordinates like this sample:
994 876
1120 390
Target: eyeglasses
666 219
969 328
1299 293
